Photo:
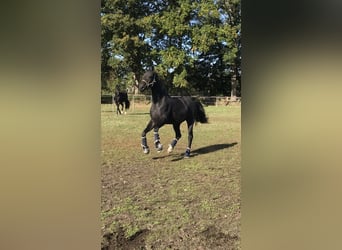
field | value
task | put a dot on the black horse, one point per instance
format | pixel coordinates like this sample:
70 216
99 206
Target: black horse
169 110
121 98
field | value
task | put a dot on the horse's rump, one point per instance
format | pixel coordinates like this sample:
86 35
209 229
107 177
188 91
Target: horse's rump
196 108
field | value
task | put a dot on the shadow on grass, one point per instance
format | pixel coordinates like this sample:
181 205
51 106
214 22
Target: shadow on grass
203 150
213 148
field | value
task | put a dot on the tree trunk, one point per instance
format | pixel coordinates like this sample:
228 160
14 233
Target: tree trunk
136 84
233 89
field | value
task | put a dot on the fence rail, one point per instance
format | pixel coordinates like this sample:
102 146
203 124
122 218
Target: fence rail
205 100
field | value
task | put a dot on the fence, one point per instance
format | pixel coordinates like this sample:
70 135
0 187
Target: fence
142 100
219 100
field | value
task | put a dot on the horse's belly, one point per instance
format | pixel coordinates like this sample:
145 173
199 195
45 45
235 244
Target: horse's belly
167 117
166 120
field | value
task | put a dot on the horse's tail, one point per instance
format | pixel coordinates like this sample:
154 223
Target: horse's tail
200 113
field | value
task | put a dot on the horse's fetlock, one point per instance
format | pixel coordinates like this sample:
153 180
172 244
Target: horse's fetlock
170 148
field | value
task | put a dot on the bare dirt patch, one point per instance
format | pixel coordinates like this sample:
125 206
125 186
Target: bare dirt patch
117 240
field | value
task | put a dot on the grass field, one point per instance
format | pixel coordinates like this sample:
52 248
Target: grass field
163 201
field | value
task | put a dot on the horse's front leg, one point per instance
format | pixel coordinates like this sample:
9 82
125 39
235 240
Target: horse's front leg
157 143
144 145
122 109
118 109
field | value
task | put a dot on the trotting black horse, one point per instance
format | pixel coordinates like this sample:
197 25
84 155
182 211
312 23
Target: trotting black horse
169 110
121 98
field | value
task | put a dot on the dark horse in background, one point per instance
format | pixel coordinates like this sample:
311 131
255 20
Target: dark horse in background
121 98
169 110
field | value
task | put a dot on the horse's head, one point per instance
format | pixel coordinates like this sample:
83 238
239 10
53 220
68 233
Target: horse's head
148 80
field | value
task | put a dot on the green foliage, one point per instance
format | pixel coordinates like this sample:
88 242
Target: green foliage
179 79
192 43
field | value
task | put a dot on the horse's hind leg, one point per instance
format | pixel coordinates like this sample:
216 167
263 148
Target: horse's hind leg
175 140
143 137
157 143
190 137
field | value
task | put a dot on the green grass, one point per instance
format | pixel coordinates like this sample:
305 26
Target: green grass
163 192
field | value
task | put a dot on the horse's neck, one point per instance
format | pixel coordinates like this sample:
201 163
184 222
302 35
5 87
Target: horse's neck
158 93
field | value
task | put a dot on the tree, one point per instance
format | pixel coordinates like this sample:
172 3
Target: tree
194 45
122 40
232 56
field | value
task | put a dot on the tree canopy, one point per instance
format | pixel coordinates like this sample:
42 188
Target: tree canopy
194 44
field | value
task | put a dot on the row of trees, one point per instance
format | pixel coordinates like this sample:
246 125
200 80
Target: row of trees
195 45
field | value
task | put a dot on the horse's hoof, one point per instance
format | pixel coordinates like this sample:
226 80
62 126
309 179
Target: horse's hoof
159 147
170 149
146 150
187 153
